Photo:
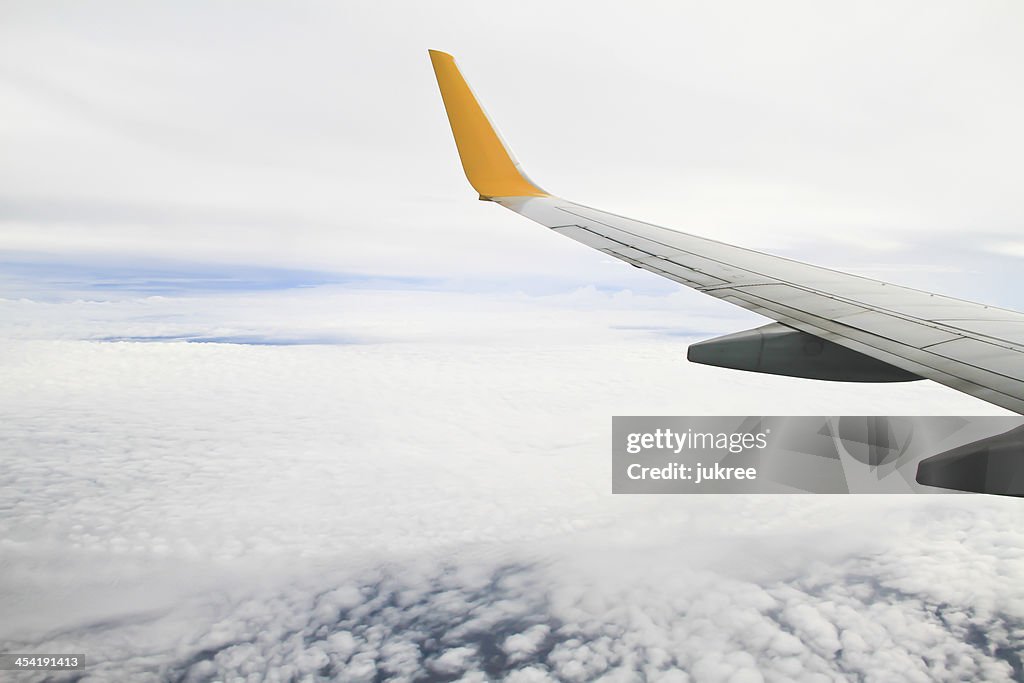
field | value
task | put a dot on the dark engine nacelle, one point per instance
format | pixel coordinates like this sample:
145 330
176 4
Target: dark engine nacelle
779 350
994 465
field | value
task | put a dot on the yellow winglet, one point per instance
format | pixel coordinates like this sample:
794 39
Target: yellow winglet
489 165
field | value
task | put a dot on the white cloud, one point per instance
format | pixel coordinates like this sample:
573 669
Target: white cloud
438 500
521 646
656 610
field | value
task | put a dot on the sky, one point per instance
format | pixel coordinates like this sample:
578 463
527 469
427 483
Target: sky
282 401
311 135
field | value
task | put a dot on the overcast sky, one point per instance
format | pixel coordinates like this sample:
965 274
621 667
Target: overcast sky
311 135
281 399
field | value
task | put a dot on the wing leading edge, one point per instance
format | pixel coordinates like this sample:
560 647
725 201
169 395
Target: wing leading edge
970 347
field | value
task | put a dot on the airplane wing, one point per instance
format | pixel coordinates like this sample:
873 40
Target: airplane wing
830 325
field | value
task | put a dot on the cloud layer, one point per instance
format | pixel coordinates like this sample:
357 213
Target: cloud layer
683 601
431 502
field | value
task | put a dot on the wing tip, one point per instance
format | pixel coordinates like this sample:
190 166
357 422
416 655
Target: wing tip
489 165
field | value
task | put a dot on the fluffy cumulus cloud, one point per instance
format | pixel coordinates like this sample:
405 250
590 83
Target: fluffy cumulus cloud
427 498
913 606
